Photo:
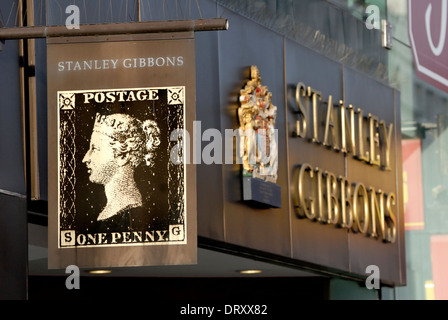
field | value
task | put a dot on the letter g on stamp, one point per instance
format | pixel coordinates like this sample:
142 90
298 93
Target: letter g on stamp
176 232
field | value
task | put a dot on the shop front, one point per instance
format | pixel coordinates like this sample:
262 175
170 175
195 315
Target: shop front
267 151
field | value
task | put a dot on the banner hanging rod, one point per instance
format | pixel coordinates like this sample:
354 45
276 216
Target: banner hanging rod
114 29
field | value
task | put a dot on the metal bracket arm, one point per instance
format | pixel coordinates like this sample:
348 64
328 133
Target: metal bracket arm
215 24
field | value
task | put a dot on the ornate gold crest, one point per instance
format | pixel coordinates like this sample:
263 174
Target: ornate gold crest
258 143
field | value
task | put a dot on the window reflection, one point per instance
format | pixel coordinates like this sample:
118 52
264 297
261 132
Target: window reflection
424 121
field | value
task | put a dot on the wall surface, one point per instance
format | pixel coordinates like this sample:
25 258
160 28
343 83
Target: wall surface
13 234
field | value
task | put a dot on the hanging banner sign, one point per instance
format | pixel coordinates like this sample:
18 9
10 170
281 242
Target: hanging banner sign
116 197
427 35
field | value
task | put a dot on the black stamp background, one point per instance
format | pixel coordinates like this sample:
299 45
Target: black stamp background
161 185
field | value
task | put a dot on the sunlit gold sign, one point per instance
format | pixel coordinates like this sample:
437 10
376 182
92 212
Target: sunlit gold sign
367 138
320 195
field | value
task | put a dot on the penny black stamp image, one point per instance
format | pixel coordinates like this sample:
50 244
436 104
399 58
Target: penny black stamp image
116 183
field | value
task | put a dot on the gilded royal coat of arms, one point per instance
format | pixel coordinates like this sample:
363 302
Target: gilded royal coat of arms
258 143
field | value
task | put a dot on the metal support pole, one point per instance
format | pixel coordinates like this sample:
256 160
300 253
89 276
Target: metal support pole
114 29
29 65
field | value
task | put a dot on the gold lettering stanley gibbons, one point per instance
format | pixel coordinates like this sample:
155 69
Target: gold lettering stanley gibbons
348 130
319 195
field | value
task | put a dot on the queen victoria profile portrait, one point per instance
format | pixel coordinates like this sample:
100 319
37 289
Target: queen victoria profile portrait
119 143
116 183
